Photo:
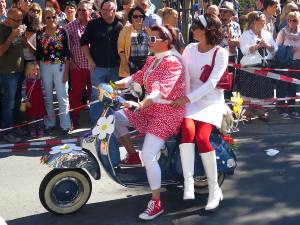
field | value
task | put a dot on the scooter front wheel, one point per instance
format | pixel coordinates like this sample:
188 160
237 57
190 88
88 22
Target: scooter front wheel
65 191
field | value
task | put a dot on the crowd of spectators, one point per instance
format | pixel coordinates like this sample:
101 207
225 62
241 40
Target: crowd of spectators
73 46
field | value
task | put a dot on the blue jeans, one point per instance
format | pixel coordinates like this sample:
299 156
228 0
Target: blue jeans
9 83
285 89
53 73
100 75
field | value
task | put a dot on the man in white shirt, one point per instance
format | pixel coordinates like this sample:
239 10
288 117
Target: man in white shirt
151 19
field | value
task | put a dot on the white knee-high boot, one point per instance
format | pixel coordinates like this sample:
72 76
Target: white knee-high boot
210 167
187 155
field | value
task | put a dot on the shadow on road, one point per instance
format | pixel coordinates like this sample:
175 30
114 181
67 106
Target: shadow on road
263 191
119 212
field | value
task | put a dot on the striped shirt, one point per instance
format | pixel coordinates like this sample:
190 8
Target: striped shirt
75 31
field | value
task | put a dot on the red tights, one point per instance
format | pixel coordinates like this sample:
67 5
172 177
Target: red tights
192 130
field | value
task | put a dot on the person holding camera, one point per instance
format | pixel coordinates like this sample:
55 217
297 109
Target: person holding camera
11 66
256 40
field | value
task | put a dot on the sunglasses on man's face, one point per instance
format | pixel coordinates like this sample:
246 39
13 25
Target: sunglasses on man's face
16 21
154 39
82 10
51 17
137 16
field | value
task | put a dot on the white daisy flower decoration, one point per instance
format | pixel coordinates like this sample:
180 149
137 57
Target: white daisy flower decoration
104 126
64 149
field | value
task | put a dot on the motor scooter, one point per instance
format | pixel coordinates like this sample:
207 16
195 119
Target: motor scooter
67 187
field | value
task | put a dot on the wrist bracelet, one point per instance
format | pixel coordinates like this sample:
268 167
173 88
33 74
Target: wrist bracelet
10 41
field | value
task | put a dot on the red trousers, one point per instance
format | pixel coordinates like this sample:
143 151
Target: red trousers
193 130
80 79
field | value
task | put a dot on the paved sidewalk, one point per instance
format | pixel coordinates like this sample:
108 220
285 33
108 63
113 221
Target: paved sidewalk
275 126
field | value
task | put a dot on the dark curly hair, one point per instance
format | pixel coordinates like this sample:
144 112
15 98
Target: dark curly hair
163 35
213 31
136 8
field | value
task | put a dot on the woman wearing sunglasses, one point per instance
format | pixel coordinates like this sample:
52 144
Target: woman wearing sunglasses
205 104
163 79
34 24
53 54
133 44
290 36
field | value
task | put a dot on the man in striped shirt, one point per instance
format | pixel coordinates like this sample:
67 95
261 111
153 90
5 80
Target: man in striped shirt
79 67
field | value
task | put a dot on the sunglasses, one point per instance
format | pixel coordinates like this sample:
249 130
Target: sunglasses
27 0
35 10
16 21
82 10
51 17
154 39
137 16
258 15
293 20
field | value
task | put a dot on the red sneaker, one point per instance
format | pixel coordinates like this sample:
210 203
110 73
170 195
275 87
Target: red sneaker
152 211
131 160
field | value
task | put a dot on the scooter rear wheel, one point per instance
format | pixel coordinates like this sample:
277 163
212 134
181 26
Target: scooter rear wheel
64 191
201 185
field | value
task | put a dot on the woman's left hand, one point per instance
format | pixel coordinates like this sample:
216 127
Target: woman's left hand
180 102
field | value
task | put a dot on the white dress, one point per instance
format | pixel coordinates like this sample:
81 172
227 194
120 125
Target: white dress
207 102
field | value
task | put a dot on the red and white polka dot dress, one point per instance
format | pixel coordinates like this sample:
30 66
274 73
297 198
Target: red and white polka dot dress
161 120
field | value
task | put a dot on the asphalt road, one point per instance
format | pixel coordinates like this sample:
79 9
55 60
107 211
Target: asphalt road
264 190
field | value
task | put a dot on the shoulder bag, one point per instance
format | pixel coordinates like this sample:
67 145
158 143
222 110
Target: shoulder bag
226 79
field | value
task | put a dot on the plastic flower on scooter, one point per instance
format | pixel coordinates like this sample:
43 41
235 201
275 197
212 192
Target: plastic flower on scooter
237 102
64 149
104 126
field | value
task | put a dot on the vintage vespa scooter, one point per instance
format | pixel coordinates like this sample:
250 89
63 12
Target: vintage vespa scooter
67 187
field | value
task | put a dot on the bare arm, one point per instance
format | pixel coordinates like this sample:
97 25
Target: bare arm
86 52
13 35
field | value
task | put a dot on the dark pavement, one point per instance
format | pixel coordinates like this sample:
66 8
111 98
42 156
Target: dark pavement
263 191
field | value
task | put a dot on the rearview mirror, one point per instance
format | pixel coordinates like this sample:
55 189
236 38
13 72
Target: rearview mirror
136 89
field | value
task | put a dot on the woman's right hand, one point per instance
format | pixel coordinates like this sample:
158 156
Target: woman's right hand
119 84
28 105
178 103
131 104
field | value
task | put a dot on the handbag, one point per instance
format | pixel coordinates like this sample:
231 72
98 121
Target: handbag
253 59
227 121
284 54
226 79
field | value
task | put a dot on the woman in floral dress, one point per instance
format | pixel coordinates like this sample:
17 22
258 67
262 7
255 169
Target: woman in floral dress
163 79
53 55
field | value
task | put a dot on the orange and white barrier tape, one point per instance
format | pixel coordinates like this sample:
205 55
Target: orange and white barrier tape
40 143
272 75
21 150
57 114
238 66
